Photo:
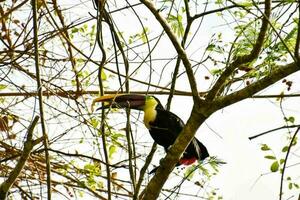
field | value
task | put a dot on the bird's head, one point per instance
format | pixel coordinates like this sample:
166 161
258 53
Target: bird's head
132 101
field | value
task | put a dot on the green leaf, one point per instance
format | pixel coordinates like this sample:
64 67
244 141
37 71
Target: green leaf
94 122
2 86
89 167
210 47
112 150
290 119
282 161
216 71
285 149
290 186
265 147
270 157
92 169
274 166
203 170
189 172
176 24
74 30
294 141
144 34
80 193
214 164
103 76
246 4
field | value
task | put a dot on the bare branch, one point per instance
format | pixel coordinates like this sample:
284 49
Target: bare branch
143 171
272 130
275 75
181 52
99 38
40 96
28 146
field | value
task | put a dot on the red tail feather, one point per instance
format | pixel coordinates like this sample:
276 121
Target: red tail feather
187 161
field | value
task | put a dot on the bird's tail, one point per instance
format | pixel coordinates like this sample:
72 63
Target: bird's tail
200 149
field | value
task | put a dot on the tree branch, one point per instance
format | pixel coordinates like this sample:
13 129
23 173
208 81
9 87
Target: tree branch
277 73
178 60
99 39
285 161
219 85
297 45
143 171
180 50
272 130
40 95
28 146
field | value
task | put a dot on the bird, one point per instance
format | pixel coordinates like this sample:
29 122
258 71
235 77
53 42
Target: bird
163 125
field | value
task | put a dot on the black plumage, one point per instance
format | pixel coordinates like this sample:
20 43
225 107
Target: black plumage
165 129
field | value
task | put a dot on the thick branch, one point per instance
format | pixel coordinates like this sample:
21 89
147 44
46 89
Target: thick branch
277 73
28 146
167 165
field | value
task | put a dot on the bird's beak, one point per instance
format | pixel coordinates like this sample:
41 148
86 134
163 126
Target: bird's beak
132 101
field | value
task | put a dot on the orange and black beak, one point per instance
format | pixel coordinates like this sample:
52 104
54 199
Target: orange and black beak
132 101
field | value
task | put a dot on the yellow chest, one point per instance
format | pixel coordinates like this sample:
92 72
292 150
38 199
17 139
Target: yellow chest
149 116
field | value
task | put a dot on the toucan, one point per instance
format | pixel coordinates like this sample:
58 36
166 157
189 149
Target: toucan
164 126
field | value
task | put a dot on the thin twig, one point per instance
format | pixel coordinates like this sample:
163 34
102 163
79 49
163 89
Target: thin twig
285 161
272 130
129 137
178 60
99 38
143 171
40 97
297 45
85 156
